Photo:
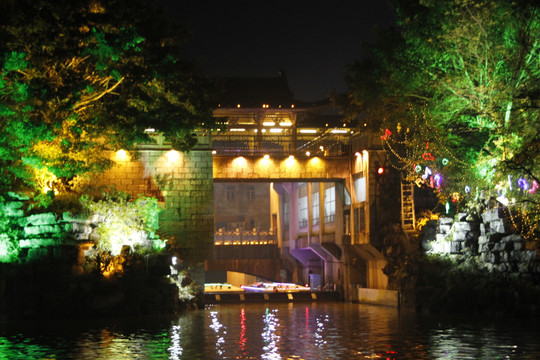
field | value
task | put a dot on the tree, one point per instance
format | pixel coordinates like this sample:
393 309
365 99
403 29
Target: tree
457 89
81 76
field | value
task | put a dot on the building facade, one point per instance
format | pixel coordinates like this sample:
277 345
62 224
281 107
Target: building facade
324 218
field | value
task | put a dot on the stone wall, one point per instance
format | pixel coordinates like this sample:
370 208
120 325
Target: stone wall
48 278
491 238
41 237
182 182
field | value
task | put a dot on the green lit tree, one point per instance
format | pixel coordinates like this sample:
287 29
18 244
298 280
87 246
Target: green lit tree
455 93
81 76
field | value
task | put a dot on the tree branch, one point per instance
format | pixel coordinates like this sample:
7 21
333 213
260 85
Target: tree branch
83 104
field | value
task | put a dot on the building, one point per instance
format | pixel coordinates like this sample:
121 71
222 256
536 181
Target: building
325 223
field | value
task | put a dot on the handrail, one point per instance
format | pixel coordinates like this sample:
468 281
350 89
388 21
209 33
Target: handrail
327 144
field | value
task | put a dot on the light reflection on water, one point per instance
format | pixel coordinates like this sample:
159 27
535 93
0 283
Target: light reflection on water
276 331
269 335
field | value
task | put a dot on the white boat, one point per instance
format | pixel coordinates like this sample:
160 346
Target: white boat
275 287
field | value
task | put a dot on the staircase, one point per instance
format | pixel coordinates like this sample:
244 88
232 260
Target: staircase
407 207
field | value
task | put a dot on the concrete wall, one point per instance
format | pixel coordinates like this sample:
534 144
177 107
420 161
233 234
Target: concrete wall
376 297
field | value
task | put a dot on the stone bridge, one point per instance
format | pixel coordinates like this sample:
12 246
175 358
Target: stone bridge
183 183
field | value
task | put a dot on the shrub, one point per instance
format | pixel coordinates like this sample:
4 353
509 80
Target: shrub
123 222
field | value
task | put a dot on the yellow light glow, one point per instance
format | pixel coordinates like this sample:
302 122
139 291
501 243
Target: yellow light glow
150 130
292 106
308 131
121 155
238 106
214 152
339 131
358 162
365 159
238 129
290 161
308 153
269 123
46 180
315 163
285 123
173 156
276 130
264 165
239 162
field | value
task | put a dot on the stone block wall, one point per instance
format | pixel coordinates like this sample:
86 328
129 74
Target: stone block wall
182 182
46 237
490 238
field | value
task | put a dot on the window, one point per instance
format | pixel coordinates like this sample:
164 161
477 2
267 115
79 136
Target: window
286 211
330 203
360 188
302 205
315 204
359 221
230 193
250 193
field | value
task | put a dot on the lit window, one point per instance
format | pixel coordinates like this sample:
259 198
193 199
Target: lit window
302 205
329 203
360 188
315 203
286 211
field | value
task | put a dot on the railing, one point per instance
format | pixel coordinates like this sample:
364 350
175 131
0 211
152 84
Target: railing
245 237
365 140
328 144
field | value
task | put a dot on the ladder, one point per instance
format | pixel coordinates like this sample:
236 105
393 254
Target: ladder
407 208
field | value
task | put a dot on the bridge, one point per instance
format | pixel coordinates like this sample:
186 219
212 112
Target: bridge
330 249
322 190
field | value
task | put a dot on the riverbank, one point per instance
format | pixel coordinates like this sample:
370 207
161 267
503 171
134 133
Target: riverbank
46 291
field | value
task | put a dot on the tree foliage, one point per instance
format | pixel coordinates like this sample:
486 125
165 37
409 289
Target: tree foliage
455 92
81 76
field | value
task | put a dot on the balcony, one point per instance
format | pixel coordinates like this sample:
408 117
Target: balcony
245 237
284 144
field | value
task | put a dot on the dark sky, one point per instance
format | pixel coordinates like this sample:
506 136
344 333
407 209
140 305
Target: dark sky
311 41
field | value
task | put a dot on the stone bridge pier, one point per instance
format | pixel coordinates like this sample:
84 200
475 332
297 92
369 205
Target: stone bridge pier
321 209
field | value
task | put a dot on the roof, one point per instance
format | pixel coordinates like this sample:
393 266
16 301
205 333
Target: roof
254 92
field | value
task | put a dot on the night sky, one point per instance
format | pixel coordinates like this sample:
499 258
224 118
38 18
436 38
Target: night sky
311 41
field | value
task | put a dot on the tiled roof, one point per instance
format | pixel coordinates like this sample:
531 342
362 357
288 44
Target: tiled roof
254 92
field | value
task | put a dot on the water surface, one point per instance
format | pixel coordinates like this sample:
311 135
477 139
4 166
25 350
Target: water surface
276 331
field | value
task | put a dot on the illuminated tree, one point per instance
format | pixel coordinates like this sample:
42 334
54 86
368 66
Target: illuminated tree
80 76
457 87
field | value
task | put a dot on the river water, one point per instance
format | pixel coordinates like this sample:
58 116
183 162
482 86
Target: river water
329 330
